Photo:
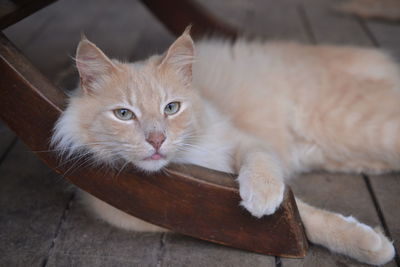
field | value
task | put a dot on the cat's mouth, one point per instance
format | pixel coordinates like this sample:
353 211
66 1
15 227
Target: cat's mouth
155 156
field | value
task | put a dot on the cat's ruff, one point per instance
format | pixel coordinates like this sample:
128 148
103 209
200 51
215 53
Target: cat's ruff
262 110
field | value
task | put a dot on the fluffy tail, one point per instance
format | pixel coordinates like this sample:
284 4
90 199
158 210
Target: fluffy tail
345 235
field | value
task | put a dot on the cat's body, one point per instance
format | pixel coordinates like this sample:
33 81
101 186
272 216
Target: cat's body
261 110
318 107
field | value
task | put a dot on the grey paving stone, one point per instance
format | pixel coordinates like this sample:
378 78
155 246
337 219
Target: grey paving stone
387 36
32 201
387 191
319 256
233 12
84 240
342 193
54 32
329 27
276 20
181 250
6 138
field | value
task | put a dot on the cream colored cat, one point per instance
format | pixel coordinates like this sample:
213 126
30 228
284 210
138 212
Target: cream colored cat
262 110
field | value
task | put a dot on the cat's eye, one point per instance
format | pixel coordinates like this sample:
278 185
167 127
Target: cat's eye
124 114
172 108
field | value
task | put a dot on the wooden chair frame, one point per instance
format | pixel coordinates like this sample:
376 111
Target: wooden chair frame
187 199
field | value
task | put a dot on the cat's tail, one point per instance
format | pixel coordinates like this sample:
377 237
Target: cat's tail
345 235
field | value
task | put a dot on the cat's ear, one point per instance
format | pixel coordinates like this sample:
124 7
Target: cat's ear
180 56
92 64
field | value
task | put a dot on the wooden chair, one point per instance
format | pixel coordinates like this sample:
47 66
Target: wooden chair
187 199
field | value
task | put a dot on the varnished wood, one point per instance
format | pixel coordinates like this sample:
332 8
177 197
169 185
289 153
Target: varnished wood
12 11
176 15
190 200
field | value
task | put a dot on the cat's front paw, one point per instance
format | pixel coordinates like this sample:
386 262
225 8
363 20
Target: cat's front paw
261 195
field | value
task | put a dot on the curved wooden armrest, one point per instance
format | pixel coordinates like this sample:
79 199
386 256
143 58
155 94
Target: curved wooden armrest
187 199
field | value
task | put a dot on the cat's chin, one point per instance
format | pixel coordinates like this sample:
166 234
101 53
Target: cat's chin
151 165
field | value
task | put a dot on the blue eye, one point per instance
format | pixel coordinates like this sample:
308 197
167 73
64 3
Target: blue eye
124 114
172 108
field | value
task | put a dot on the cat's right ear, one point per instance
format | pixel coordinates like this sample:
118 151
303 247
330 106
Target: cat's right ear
92 64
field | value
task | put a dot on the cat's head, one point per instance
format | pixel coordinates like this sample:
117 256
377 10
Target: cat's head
143 113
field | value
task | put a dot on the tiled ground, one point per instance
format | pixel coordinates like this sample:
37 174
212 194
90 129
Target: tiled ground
43 224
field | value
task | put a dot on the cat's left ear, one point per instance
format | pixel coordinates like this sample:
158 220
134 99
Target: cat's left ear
180 56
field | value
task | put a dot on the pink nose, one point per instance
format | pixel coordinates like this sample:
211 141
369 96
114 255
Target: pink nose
155 139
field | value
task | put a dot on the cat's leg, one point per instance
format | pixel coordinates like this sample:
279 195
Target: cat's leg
116 217
345 235
260 178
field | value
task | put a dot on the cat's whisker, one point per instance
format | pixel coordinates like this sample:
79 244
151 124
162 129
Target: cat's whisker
70 159
74 150
75 166
195 147
186 139
48 151
164 171
109 153
119 172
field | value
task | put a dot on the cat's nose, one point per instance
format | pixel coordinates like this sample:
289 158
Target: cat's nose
155 139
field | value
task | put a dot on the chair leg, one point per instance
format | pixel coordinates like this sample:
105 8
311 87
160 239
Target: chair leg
176 15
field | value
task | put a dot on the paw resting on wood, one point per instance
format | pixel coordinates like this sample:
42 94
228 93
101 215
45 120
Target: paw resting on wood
261 194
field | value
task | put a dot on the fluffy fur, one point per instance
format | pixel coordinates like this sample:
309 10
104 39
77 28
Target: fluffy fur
262 110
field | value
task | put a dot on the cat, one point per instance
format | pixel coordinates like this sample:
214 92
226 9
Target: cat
262 110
